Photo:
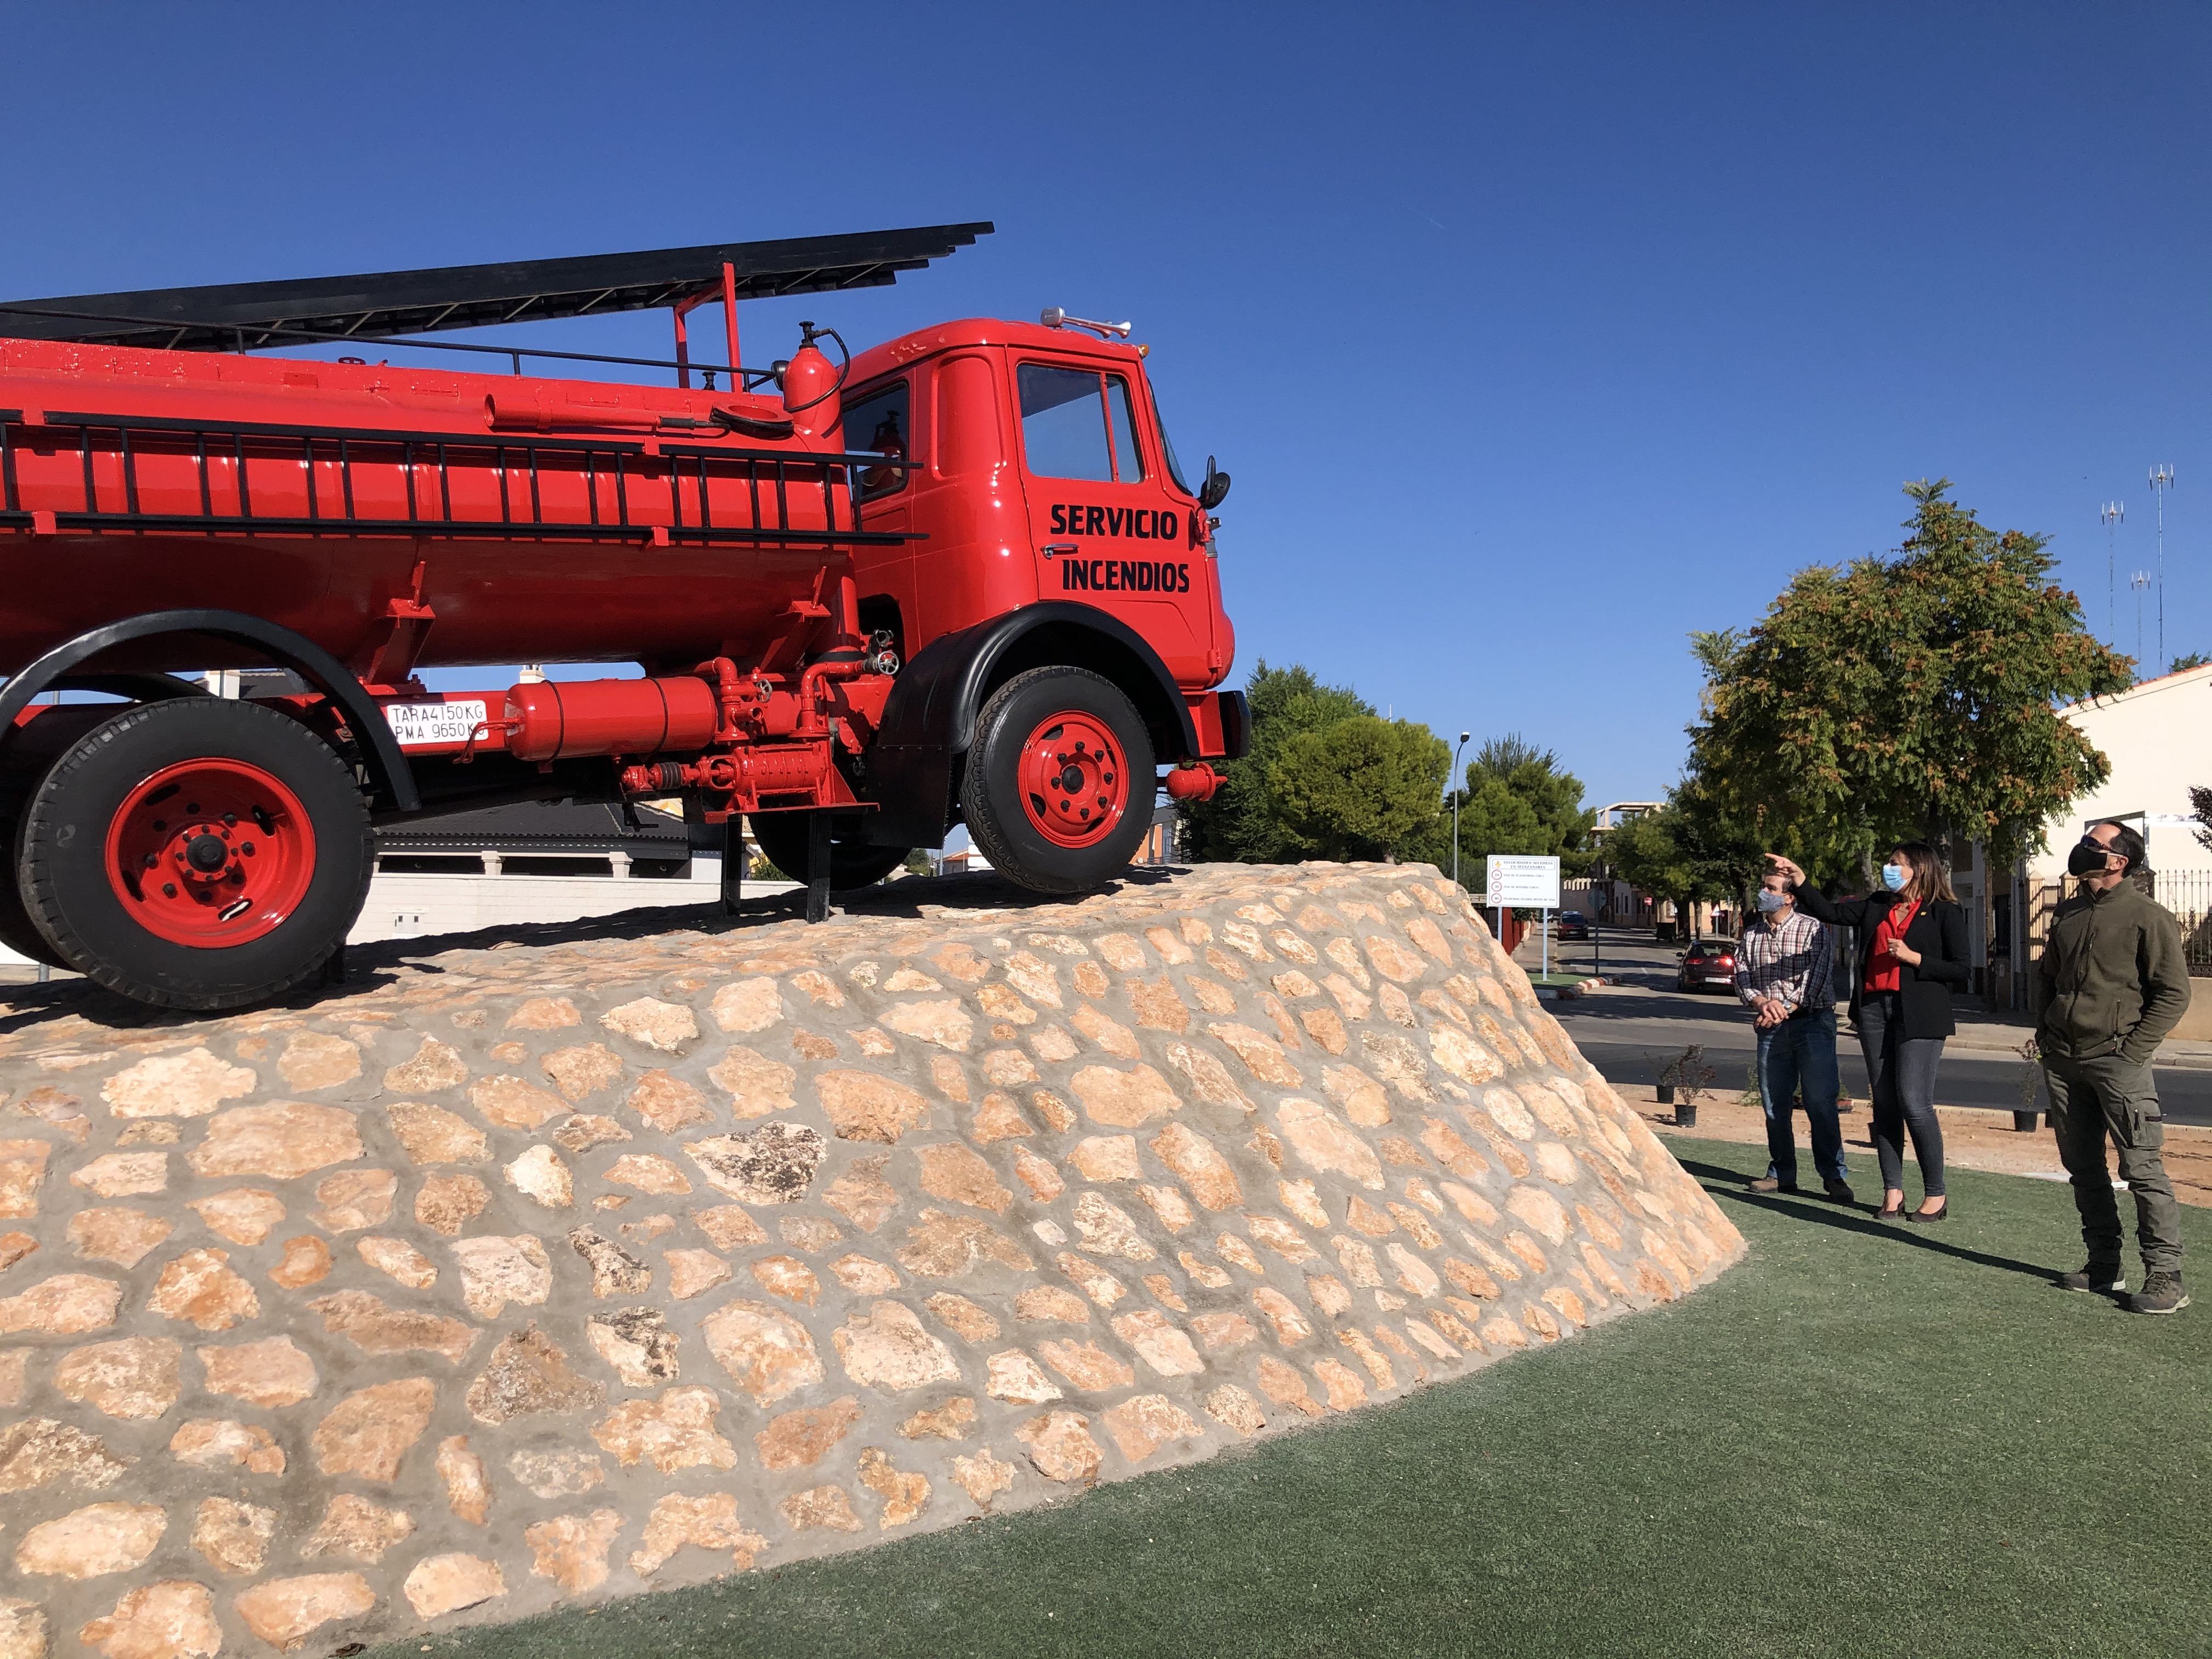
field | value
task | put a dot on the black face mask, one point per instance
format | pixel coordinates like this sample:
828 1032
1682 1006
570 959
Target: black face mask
2087 858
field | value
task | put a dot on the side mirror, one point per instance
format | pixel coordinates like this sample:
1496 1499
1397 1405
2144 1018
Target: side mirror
1215 489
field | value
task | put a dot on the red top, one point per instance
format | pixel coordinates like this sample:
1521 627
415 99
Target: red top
1881 967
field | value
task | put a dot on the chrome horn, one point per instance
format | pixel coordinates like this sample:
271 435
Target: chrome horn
1054 317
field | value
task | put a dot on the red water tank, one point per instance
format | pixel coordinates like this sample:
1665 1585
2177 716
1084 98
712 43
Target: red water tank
552 721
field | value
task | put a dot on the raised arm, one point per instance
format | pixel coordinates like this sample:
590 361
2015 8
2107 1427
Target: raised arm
1810 899
1819 906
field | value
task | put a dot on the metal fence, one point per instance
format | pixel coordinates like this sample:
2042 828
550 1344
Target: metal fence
2188 893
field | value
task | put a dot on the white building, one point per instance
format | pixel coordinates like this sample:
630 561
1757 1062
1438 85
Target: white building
2156 736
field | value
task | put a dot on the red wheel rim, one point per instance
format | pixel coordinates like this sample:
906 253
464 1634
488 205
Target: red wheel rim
1074 785
210 852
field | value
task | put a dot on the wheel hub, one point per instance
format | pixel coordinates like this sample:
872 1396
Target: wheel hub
207 854
210 852
1073 784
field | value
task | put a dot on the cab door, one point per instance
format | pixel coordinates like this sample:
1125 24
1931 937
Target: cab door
1105 530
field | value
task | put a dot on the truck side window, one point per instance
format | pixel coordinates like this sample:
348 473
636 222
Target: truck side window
1128 459
1064 423
878 423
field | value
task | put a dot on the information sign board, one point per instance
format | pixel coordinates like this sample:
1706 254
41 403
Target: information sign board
1523 882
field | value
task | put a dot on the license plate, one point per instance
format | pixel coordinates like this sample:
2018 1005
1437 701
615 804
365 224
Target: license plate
434 722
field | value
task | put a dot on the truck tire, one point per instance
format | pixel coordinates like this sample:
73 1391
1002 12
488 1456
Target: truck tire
783 837
197 854
16 931
31 753
1058 791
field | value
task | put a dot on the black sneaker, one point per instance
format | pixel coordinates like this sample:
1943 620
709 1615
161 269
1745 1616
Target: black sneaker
2096 1279
2162 1294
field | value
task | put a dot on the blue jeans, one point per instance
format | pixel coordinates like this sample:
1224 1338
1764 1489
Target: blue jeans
1801 1048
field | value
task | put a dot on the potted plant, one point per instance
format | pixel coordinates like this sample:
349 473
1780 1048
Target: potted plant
1686 1077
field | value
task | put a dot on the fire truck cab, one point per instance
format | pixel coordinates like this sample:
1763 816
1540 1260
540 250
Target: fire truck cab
1056 526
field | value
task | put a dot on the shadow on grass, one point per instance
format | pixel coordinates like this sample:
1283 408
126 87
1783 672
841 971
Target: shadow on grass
1734 1191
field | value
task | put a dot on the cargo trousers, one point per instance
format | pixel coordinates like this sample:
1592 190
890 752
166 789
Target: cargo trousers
2091 1099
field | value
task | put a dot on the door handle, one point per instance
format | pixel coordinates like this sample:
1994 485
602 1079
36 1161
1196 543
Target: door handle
1051 549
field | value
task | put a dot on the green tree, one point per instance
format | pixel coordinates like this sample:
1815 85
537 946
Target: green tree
1359 788
1492 818
1690 850
1916 696
2181 664
1519 799
1244 821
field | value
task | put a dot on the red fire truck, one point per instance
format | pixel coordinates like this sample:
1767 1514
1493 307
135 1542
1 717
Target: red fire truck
959 577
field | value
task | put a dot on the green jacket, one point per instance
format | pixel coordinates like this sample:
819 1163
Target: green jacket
2113 976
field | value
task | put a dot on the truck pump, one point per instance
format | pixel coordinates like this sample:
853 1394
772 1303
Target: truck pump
959 577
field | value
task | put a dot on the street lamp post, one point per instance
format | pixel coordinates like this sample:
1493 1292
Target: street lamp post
1456 791
2161 480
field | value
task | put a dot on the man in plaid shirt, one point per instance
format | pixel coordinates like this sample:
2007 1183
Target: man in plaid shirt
1783 964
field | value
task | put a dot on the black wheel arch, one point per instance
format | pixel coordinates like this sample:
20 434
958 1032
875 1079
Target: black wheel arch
939 693
930 720
390 775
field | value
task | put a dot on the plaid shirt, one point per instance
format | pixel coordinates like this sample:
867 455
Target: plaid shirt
1791 963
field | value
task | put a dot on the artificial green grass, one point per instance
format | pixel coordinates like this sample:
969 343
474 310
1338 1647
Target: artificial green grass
1864 1440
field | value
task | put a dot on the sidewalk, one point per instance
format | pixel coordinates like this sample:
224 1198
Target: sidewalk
2007 1031
1986 1033
1973 1139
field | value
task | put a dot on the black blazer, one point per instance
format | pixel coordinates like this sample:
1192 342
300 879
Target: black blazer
1938 933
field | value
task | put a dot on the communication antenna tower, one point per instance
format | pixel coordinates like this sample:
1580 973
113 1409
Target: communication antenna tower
2112 514
2161 480
2139 581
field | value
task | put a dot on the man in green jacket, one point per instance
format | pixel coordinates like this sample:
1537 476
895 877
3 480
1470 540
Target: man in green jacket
2114 982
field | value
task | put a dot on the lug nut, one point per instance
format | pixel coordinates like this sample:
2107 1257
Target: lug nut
168 890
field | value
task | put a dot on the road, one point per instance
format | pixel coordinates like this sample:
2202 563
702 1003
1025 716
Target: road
1630 1033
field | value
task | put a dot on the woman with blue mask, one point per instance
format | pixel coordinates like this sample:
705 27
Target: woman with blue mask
1913 945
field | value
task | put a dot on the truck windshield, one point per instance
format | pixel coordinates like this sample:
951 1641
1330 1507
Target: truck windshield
1167 444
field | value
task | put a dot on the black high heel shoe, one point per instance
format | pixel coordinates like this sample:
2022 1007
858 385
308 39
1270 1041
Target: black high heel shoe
1943 1214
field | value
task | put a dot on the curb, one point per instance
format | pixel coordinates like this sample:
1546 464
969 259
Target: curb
1568 993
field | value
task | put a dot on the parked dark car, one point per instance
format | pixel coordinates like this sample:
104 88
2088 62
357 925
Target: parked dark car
1708 965
1572 924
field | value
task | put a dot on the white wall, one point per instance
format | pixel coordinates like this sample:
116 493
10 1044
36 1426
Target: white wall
412 906
2157 737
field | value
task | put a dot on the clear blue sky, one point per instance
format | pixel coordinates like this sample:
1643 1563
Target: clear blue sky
1535 337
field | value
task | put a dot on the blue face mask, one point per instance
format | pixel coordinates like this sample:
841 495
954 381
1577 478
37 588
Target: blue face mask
1770 902
1895 876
